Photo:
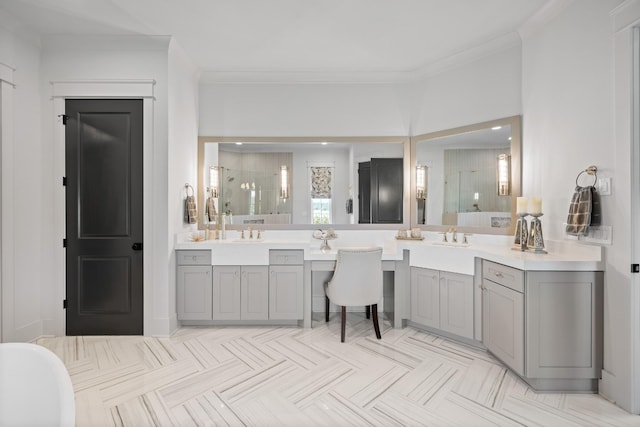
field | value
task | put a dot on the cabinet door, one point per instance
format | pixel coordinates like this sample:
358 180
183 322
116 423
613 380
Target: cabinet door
503 324
456 304
194 292
254 293
563 324
285 292
425 297
226 292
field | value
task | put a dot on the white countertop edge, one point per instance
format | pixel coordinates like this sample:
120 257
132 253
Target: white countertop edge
562 256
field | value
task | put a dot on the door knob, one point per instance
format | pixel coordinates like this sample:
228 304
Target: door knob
137 246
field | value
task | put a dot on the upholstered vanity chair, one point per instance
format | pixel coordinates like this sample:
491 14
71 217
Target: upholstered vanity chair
357 281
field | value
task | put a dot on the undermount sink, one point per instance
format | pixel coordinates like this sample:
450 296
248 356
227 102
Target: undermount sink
435 256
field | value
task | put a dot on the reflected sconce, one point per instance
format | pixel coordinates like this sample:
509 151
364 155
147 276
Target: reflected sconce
214 181
421 175
504 175
284 182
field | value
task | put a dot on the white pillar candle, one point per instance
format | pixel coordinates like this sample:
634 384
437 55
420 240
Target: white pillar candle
535 205
522 204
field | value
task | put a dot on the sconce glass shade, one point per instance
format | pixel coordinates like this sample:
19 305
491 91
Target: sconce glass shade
214 181
284 182
421 175
504 175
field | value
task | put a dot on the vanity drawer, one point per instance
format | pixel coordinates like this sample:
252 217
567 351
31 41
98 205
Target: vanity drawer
286 257
506 276
193 257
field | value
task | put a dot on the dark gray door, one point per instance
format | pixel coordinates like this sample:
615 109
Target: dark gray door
386 191
104 217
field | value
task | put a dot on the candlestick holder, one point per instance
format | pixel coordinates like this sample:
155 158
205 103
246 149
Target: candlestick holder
521 234
536 241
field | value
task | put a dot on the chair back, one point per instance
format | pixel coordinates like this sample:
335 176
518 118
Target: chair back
35 387
357 279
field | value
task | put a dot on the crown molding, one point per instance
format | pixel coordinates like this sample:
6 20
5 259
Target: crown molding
303 77
627 14
468 56
546 13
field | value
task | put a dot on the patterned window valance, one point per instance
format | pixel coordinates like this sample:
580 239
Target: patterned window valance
320 182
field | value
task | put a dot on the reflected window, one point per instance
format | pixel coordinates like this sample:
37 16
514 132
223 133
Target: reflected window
320 178
321 211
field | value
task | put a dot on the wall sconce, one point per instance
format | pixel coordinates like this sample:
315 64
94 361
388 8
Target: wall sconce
421 175
284 182
214 181
504 175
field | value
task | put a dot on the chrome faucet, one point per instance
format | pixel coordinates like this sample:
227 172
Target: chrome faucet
454 235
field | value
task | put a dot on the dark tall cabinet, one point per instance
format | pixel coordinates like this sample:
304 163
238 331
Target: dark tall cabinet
380 191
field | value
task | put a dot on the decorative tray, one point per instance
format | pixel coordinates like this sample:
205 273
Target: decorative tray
409 238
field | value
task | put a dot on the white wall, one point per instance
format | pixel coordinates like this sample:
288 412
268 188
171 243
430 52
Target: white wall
303 109
25 207
105 58
568 124
183 154
485 89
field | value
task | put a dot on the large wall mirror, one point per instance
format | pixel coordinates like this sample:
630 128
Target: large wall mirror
304 183
467 178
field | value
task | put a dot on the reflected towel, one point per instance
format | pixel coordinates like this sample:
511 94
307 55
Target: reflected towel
584 210
210 209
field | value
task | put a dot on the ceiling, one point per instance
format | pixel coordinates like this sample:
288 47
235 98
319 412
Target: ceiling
328 36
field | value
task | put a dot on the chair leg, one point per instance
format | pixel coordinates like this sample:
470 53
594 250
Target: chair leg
367 310
376 326
326 308
344 323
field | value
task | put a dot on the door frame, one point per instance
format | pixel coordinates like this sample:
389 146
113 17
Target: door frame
6 193
635 224
102 89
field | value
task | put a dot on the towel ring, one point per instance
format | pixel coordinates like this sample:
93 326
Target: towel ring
189 188
591 170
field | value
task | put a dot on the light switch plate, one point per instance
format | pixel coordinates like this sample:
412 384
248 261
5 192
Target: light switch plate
604 186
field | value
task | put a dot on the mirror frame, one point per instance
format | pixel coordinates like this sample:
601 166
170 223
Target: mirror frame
516 171
406 150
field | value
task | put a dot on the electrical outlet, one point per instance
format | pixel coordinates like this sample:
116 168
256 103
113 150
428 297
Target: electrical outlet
604 186
599 234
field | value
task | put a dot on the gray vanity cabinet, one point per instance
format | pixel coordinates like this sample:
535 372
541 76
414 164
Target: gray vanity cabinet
254 293
425 296
286 284
226 292
545 325
193 287
442 300
240 292
503 313
563 318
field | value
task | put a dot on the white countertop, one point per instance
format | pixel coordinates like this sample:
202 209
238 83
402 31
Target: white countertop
427 253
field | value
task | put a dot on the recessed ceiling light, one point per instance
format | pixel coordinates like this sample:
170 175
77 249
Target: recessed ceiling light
238 143
496 127
323 143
